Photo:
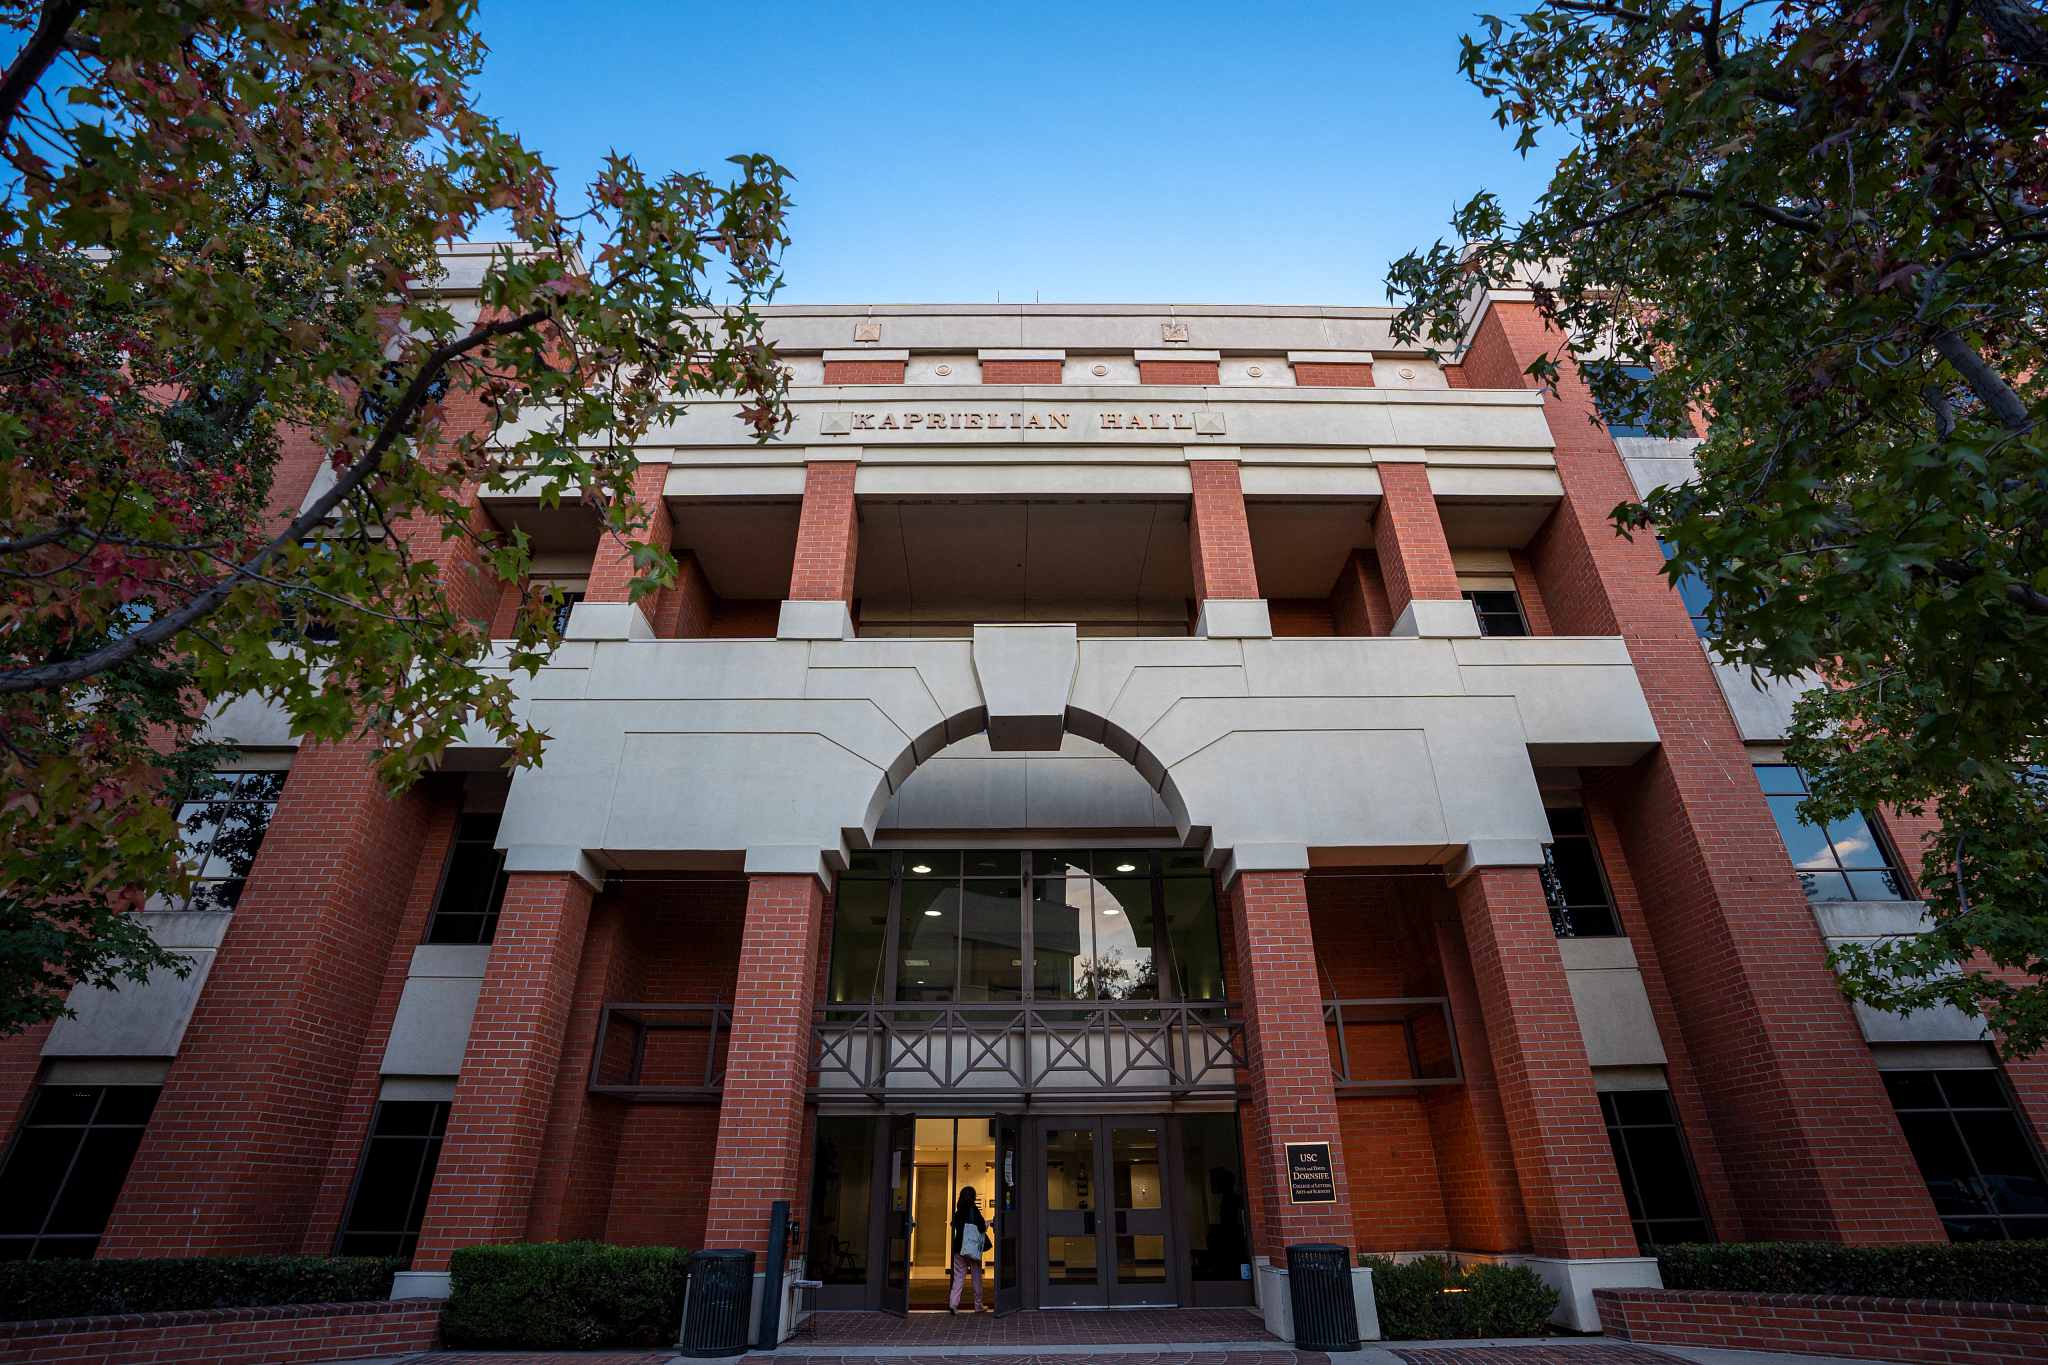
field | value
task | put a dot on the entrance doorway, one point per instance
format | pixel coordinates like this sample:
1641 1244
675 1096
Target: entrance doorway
1108 1236
942 1161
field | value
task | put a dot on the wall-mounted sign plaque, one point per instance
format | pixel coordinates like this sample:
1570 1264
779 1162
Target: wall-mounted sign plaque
1309 1177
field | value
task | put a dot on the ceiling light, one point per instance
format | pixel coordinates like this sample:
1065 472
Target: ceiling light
920 868
1112 912
1127 867
932 913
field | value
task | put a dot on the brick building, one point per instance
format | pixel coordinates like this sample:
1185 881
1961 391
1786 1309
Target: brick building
1206 778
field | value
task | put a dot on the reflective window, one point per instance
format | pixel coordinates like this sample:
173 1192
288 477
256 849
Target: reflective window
1974 1153
1631 422
1212 1164
223 824
67 1167
860 931
1500 613
473 888
1573 882
1692 590
842 1187
1843 860
397 1174
1656 1178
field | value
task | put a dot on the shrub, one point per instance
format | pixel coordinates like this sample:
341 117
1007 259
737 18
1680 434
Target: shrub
160 1284
564 1295
1981 1272
1431 1299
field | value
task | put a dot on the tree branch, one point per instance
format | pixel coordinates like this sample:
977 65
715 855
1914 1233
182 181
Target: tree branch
35 57
1984 381
209 601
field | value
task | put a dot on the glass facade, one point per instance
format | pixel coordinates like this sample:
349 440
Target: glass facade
390 1198
1499 613
1574 883
1974 1153
473 888
1843 860
842 1195
1656 1177
223 826
67 1166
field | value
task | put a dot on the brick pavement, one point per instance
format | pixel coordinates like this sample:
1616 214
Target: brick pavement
1048 1327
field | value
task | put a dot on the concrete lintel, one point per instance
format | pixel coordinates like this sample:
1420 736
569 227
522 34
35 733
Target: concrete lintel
1026 673
814 621
1575 1280
1177 354
1259 858
557 858
1234 618
871 353
1484 853
1329 357
1019 355
1399 455
1438 619
608 621
791 860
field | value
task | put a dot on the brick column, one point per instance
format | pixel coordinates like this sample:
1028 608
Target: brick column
1570 1189
1219 538
828 536
1415 560
484 1184
761 1116
1294 1098
232 1161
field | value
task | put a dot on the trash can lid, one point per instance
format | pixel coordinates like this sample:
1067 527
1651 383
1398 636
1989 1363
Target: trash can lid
1319 1246
723 1253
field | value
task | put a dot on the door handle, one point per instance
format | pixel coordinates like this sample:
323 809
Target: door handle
1120 1227
1088 1223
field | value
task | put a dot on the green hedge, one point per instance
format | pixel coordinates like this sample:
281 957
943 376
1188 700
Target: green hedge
159 1284
1978 1272
564 1295
1431 1299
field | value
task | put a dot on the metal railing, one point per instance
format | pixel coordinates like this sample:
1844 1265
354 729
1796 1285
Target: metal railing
1364 1050
1131 1049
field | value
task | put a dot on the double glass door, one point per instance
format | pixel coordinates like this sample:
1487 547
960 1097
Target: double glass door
1104 1216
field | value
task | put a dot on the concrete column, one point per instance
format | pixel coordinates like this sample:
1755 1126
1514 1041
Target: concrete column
1570 1188
232 1161
761 1117
484 1184
1294 1098
1415 560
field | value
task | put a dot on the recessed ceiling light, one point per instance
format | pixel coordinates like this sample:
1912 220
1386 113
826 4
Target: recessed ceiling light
1127 867
1112 912
920 868
933 913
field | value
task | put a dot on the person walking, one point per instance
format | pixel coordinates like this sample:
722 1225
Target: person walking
970 1241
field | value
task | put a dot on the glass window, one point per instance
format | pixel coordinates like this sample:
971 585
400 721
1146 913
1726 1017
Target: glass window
1692 590
1190 915
1500 613
223 826
1573 882
1843 860
473 889
992 938
927 940
1976 1157
1656 1177
397 1174
842 1184
1212 1166
860 930
67 1167
1632 421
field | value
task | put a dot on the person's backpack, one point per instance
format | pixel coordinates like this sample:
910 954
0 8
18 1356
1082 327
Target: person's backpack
970 1240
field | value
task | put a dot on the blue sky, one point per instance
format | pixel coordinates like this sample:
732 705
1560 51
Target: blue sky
1187 153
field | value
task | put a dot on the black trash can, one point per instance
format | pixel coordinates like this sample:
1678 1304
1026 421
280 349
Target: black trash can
715 1315
1319 1285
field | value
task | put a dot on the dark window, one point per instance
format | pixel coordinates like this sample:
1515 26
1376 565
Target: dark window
1573 883
1218 1233
223 825
472 892
67 1166
1500 613
397 1174
1974 1153
842 1189
1631 422
1692 590
568 604
1843 860
1656 1177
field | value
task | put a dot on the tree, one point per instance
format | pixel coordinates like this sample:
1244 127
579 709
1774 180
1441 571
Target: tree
221 223
1823 227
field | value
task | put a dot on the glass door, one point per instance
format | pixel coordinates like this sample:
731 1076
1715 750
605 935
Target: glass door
1072 1265
897 1216
1105 1220
1007 1221
1137 1209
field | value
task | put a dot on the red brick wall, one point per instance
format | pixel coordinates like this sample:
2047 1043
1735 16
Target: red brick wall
1292 1096
863 372
1219 538
1570 1188
1333 376
233 1157
828 536
1302 616
1803 1126
1922 1331
229 1336
1358 602
1415 559
484 1185
761 1119
1469 1124
1531 593
744 618
1177 372
1021 371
